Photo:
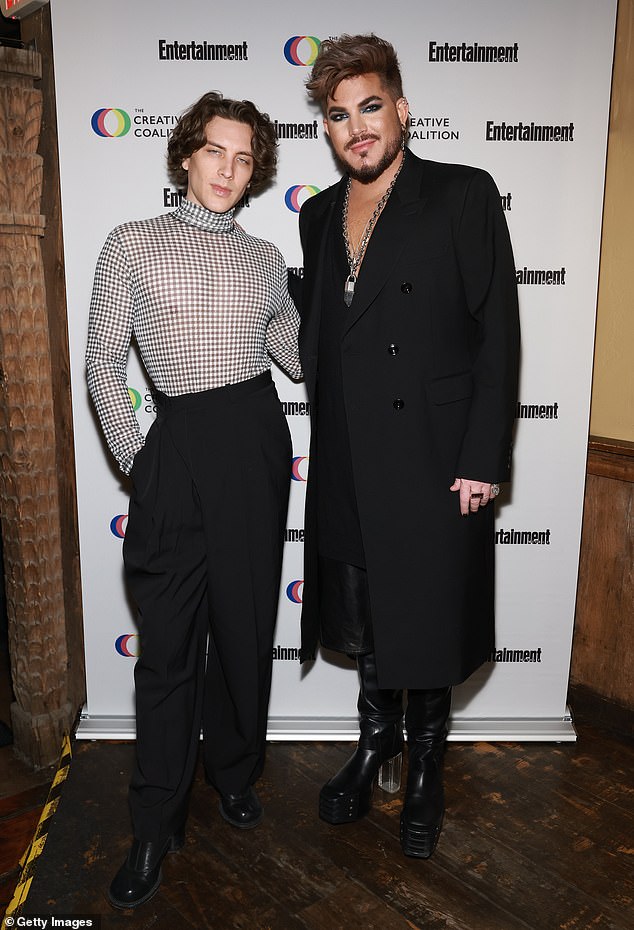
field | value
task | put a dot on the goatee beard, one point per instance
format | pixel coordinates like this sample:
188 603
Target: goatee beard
368 173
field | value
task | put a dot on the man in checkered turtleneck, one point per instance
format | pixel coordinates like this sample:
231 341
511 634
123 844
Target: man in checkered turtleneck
208 306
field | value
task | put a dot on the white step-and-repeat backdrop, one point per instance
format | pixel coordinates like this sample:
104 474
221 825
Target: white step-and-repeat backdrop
521 89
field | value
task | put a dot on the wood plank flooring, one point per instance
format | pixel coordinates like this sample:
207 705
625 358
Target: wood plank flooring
19 815
537 836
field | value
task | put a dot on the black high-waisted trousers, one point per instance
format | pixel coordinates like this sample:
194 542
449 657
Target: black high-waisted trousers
203 554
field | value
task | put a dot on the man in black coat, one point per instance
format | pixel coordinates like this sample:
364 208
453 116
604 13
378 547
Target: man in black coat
409 343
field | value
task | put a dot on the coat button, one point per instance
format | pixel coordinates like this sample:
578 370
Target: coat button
398 403
393 349
406 287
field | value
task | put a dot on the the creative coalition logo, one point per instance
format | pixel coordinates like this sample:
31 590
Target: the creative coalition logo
432 129
298 194
153 125
110 123
118 525
295 591
299 467
301 50
135 398
128 645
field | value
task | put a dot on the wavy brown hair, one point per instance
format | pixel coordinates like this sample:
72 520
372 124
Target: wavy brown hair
189 135
349 56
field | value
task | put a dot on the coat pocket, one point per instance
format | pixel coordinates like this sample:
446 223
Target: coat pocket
451 388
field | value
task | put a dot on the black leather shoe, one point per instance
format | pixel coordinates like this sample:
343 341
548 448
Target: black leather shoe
140 876
241 810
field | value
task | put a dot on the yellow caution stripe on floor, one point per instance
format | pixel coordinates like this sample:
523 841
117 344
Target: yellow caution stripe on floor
36 846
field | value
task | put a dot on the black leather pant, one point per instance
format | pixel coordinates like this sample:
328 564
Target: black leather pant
344 608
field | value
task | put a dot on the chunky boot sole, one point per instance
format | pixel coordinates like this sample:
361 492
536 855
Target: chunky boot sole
345 808
337 807
419 841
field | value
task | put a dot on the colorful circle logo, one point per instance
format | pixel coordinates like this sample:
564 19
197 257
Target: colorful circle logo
128 645
295 590
135 398
110 123
299 470
301 50
298 194
118 525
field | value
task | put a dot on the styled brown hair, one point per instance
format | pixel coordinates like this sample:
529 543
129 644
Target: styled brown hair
189 135
350 56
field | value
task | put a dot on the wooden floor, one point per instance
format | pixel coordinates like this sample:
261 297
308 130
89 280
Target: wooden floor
22 792
537 836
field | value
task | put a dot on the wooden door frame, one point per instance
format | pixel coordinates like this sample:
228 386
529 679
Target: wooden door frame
41 540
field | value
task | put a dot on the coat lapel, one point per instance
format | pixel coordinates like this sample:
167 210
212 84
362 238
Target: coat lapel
396 226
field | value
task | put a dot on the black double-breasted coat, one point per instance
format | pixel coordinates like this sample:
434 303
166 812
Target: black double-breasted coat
429 357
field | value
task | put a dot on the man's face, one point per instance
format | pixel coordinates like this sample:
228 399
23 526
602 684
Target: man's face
365 126
220 171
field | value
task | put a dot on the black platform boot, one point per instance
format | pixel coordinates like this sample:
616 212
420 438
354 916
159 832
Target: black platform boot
348 795
426 724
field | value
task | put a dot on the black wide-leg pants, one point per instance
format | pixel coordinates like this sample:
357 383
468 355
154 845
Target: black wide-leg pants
203 555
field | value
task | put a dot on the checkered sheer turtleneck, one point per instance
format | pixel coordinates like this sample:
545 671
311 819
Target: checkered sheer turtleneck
207 304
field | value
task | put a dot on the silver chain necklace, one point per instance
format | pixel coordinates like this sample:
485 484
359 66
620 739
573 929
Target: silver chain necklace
354 258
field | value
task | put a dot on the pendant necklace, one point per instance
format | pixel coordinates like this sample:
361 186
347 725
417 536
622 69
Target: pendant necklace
354 258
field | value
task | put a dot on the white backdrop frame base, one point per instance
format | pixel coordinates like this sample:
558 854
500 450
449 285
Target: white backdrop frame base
344 729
